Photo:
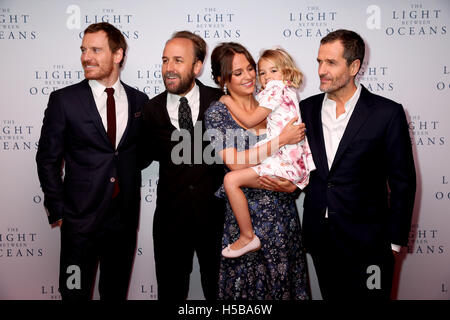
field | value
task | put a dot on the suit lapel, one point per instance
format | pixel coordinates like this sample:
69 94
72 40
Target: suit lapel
88 104
203 101
162 105
131 103
358 118
316 140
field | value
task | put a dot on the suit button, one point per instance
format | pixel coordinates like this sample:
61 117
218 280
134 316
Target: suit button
112 179
116 153
330 185
191 187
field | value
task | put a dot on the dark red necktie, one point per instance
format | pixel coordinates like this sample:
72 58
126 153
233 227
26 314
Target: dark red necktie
111 129
111 116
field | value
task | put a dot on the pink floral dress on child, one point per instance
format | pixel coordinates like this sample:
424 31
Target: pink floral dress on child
293 162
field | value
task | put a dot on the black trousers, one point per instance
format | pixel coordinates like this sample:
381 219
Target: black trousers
176 236
112 246
349 273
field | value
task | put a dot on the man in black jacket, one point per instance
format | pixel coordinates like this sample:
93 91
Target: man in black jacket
188 217
92 128
359 201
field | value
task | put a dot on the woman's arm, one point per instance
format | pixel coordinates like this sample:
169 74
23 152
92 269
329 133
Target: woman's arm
248 118
235 160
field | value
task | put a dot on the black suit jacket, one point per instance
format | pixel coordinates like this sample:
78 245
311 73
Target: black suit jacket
185 186
73 133
373 157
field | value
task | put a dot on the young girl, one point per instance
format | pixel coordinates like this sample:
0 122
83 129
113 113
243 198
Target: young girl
278 103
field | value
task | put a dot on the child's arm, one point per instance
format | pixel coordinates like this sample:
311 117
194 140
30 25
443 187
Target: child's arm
235 160
247 118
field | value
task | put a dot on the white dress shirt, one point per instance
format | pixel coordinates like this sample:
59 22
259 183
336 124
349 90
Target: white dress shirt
334 128
120 97
173 102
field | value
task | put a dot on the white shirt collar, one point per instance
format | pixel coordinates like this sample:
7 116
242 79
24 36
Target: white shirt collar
191 96
350 103
98 89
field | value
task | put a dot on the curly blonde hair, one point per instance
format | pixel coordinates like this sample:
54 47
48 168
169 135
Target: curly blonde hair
285 64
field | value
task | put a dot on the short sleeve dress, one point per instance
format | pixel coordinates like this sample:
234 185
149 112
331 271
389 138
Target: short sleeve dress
294 161
277 271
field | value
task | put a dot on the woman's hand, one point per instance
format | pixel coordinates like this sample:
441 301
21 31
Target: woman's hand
276 184
292 133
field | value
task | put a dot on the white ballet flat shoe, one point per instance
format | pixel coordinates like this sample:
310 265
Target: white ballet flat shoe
253 245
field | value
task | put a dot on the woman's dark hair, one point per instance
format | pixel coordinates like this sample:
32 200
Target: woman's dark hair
222 61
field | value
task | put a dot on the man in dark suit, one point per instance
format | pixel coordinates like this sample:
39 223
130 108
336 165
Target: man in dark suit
359 201
91 129
188 217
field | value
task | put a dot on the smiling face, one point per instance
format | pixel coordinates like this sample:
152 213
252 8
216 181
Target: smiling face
98 61
335 75
267 71
179 66
243 76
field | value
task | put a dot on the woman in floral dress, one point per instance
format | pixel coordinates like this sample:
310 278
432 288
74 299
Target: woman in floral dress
278 270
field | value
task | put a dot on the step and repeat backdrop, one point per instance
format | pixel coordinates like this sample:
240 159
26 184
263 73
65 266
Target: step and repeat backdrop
407 60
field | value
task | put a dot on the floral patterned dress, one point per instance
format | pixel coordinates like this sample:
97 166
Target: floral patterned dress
278 270
292 162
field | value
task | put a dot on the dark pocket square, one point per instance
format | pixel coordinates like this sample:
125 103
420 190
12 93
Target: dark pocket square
137 114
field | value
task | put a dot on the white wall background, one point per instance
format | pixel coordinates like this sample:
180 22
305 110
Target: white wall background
407 61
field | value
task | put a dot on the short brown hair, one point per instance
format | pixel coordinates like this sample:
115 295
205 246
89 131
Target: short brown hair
285 65
354 47
222 61
198 42
116 40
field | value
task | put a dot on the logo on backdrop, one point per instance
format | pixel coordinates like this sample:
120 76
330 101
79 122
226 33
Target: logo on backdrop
17 136
375 78
311 22
57 76
425 240
444 191
50 291
426 132
444 84
149 80
417 20
148 189
122 19
146 290
15 243
16 25
213 23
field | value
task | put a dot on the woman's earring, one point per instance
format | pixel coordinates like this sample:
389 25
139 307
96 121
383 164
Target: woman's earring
225 89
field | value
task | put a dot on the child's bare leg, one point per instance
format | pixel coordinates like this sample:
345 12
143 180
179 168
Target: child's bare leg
233 182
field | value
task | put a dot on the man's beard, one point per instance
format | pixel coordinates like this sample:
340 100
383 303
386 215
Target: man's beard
184 85
336 84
